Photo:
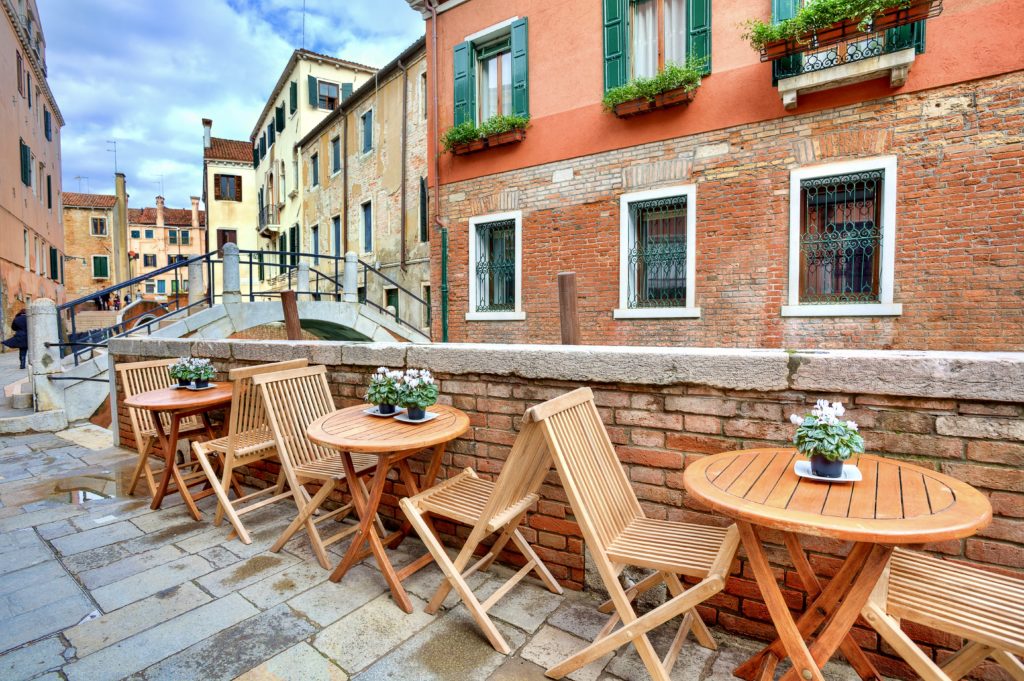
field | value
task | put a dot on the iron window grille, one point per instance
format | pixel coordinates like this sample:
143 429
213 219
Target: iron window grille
657 253
496 266
841 238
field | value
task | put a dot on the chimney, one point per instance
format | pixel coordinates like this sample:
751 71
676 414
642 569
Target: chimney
207 127
159 211
195 212
120 240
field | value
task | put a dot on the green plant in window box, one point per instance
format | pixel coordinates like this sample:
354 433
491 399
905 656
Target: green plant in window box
468 132
814 16
673 77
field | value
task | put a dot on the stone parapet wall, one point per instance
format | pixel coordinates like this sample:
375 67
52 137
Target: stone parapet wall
959 413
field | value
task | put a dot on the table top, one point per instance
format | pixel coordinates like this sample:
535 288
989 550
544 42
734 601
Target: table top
895 502
351 430
181 399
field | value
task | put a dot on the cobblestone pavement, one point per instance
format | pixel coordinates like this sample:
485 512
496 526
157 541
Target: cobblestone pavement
94 586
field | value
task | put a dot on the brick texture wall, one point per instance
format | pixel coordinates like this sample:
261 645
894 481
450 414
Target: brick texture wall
659 429
959 269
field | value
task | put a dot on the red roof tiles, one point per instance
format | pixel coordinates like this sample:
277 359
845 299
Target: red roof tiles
173 217
229 150
78 200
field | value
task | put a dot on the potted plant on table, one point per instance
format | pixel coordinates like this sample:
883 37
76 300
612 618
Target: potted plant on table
201 371
417 391
825 439
182 372
383 389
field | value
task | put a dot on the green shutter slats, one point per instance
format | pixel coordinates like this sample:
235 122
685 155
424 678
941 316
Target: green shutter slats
26 163
616 56
263 146
781 10
271 135
53 263
907 36
346 91
465 104
314 98
279 116
48 124
293 96
520 70
698 37
49 191
255 157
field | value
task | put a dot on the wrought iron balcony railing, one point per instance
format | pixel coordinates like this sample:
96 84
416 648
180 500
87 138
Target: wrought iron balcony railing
853 49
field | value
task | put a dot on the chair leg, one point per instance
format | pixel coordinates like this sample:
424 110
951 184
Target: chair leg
305 517
461 561
700 630
453 577
143 464
892 634
224 507
1010 664
538 565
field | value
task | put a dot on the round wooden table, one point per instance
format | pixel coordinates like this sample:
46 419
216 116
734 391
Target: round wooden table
177 404
895 503
351 430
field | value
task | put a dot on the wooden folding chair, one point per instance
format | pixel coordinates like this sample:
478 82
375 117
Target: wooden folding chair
619 535
489 507
140 377
293 399
248 440
985 608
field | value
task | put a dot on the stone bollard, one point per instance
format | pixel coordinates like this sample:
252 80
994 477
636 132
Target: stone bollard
232 279
196 289
42 329
302 279
350 279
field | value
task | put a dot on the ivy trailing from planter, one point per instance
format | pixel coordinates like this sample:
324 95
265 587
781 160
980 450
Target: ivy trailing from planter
684 77
814 16
467 132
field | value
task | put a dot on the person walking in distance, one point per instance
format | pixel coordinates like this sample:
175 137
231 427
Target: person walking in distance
19 325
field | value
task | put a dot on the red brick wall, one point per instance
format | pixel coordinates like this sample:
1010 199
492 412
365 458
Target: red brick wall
959 248
658 430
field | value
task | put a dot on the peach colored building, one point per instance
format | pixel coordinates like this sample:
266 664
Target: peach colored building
32 243
161 236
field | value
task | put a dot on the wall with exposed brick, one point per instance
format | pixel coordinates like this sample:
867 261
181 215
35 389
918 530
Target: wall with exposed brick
959 413
959 268
81 243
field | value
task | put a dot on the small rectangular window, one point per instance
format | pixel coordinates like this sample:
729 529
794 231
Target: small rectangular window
136 234
184 237
226 236
495 78
99 227
100 267
161 286
336 235
423 93
424 210
149 260
149 234
150 287
426 299
328 95
495 266
314 169
335 155
172 236
391 300
315 238
21 75
361 294
367 227
367 119
227 187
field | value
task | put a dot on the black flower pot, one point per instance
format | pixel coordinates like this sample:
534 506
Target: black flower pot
386 408
184 382
417 413
201 383
826 468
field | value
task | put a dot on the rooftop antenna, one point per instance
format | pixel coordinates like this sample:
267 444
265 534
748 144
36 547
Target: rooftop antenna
114 150
80 178
161 182
303 24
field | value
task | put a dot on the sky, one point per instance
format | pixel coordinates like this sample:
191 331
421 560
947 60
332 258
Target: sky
144 73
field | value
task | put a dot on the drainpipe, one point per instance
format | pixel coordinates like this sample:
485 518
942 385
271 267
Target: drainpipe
442 227
344 182
405 112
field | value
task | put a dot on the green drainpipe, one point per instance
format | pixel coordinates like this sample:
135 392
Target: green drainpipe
444 284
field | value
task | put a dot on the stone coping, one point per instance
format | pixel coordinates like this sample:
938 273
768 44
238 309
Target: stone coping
987 376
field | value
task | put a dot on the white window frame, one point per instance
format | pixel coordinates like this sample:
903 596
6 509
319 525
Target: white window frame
92 271
690 311
329 82
885 307
362 226
514 315
335 159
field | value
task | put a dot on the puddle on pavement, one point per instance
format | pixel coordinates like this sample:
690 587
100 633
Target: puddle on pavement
73 489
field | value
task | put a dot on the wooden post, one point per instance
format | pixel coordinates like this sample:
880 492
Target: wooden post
567 308
291 316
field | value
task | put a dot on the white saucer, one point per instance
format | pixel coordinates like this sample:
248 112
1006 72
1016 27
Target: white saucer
850 473
429 416
375 411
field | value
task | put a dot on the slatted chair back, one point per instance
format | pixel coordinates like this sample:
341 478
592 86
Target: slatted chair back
140 377
521 476
247 412
591 473
293 399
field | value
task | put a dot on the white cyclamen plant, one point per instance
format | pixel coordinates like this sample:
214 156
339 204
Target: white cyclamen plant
417 389
181 369
383 387
823 433
200 369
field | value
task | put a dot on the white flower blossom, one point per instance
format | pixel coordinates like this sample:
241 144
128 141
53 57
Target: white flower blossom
851 425
796 419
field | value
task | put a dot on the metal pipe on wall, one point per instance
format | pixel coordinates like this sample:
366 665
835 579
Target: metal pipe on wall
432 4
405 132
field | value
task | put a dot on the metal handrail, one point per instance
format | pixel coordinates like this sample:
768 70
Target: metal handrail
132 282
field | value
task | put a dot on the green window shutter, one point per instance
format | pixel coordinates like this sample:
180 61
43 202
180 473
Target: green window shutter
293 96
99 268
271 135
54 267
280 118
464 86
263 146
49 191
785 9
616 37
26 164
314 98
698 38
47 124
346 91
908 35
255 157
520 70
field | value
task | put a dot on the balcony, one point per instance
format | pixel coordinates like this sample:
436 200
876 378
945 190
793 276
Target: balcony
270 221
860 57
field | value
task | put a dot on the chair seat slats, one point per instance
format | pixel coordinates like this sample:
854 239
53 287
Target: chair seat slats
663 544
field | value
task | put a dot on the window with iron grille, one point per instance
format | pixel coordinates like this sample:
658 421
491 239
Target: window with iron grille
842 239
657 253
496 266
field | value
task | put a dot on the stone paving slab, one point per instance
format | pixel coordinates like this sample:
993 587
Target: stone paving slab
301 662
148 582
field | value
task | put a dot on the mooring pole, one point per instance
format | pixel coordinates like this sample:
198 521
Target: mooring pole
567 311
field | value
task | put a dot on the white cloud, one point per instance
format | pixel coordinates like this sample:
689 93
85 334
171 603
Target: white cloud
147 73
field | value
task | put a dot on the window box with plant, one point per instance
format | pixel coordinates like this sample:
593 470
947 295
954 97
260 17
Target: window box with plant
675 85
467 137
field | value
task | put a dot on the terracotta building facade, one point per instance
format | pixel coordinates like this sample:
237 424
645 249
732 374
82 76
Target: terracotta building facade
32 243
861 195
364 178
161 236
